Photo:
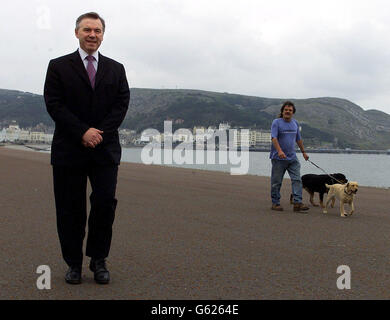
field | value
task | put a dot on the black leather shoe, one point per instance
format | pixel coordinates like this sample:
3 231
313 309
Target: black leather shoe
101 274
73 275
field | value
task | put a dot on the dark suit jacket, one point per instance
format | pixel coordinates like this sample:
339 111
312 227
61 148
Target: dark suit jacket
75 107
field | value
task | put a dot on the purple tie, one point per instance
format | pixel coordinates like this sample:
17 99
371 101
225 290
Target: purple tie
91 70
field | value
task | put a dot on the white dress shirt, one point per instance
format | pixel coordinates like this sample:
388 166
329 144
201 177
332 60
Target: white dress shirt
84 55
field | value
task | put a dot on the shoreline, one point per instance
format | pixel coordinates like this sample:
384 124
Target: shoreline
323 151
41 149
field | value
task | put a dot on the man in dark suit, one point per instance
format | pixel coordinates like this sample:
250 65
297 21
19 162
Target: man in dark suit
87 95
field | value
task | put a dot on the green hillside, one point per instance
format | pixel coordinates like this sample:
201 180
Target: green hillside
324 121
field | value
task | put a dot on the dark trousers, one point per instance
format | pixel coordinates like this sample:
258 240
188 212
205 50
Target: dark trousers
70 188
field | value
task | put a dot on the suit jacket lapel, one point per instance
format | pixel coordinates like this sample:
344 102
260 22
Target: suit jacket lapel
100 70
79 67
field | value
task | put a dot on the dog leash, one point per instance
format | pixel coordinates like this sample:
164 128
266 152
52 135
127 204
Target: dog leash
325 172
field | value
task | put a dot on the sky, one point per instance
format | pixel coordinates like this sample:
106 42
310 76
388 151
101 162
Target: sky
276 49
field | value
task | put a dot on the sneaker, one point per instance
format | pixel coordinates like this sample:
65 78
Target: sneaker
277 207
300 207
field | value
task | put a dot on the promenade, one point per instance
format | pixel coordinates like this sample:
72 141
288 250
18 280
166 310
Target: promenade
192 234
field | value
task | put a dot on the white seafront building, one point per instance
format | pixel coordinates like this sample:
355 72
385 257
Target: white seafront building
251 138
17 135
240 137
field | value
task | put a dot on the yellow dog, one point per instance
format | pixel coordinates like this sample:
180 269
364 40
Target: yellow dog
345 193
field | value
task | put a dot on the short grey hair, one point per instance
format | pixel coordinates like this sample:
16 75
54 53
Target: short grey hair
91 15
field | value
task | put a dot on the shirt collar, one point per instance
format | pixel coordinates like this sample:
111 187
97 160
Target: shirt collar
84 54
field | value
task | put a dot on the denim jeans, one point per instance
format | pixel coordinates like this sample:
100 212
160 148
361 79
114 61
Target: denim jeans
279 168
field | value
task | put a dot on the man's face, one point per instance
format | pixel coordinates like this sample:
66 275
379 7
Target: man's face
288 112
90 34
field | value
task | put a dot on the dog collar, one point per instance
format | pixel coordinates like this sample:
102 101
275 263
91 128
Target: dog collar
345 188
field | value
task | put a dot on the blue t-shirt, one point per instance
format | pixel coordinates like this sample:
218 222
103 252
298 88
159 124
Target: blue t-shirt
287 134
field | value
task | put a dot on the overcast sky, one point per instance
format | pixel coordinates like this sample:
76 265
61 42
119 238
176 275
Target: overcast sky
276 49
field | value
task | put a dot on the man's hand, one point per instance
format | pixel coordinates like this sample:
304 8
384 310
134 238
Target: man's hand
300 145
92 138
281 155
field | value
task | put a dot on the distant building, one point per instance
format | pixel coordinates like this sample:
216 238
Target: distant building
40 137
201 134
14 134
224 126
260 137
198 130
241 138
127 136
182 135
252 138
2 135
